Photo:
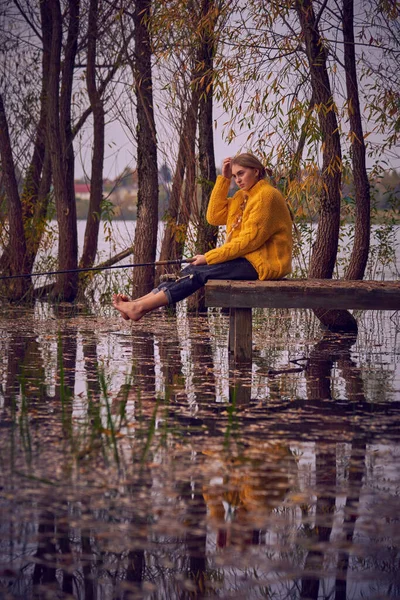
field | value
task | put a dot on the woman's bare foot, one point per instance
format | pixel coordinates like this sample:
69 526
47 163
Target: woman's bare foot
136 309
122 298
129 309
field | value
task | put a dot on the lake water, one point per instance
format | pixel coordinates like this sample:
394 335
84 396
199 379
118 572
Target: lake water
136 463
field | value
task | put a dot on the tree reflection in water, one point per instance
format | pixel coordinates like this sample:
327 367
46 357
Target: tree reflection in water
150 488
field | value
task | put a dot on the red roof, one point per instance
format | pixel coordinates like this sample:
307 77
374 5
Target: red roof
82 188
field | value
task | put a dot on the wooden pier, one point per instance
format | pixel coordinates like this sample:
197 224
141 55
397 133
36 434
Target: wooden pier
241 296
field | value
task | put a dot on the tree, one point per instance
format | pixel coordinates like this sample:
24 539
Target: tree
178 212
206 234
97 106
60 140
359 255
17 247
192 36
36 186
53 151
326 243
147 200
204 81
41 111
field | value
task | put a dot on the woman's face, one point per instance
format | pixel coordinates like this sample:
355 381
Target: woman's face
245 177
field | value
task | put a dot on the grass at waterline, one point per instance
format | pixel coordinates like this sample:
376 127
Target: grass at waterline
110 437
105 427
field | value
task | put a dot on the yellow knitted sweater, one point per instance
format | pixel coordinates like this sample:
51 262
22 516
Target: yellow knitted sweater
264 234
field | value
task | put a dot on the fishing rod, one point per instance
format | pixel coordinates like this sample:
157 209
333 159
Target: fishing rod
158 263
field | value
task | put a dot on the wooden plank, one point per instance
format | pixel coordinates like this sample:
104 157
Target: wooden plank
240 334
304 293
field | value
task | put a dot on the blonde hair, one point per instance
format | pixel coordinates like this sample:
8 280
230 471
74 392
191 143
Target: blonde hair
250 161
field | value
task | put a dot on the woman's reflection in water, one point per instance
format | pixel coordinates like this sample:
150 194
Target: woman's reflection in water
244 490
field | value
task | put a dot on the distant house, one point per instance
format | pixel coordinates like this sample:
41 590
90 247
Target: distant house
122 193
82 191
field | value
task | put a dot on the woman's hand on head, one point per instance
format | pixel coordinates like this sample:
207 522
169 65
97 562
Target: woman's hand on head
199 259
227 168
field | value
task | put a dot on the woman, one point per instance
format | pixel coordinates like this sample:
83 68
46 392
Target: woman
258 241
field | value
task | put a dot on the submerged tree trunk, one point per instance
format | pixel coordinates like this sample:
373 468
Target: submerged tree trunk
327 238
147 201
96 182
207 234
16 288
359 255
326 243
61 148
37 184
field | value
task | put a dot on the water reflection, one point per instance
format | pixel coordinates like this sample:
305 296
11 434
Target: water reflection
243 490
125 473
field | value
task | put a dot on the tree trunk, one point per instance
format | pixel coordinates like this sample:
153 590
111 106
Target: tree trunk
207 234
327 238
179 212
61 148
37 184
147 201
96 183
189 195
359 255
16 288
326 243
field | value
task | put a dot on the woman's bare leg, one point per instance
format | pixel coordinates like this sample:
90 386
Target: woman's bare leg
136 309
